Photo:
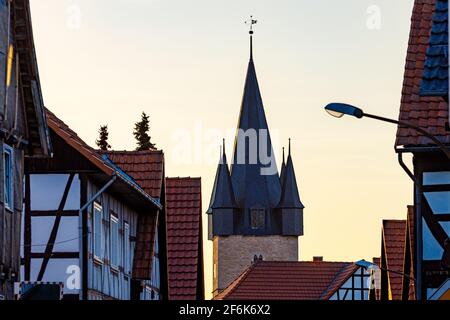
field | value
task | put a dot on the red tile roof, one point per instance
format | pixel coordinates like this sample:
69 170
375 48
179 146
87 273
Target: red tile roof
339 280
394 236
72 139
184 238
145 247
145 167
299 280
430 113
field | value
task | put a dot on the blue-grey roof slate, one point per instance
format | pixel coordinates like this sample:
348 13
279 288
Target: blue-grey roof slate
435 74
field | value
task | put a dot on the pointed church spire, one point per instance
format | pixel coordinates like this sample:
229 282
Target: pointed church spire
250 170
290 198
222 196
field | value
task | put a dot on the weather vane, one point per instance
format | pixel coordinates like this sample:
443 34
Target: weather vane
251 22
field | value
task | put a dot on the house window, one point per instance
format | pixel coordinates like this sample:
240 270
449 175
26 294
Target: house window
127 249
258 218
98 243
8 176
114 230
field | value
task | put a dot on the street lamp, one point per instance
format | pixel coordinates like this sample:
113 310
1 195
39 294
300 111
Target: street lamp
338 110
369 265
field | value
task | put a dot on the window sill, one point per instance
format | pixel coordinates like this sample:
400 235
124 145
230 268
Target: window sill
98 261
8 209
115 269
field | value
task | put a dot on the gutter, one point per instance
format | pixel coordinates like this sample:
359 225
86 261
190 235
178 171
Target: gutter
136 187
416 149
130 181
418 227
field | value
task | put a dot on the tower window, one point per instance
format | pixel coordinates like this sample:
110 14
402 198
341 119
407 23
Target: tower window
258 218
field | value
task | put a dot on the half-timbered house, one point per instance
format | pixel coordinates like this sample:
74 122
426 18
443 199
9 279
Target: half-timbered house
425 104
87 223
299 280
177 271
23 129
147 168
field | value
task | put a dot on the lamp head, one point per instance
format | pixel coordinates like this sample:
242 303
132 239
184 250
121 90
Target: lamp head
338 110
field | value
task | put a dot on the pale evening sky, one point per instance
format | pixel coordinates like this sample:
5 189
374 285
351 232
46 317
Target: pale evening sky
184 63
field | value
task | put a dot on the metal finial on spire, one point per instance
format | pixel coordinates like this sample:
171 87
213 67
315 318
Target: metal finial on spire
283 156
251 22
289 147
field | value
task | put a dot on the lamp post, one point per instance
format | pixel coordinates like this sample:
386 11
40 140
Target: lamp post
372 267
369 265
338 110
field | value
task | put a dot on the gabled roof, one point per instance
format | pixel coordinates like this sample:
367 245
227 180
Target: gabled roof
104 165
146 168
71 138
38 135
252 187
184 238
394 236
435 74
222 195
290 197
299 280
430 113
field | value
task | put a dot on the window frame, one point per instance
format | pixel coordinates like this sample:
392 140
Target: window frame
127 264
97 209
257 215
114 229
8 183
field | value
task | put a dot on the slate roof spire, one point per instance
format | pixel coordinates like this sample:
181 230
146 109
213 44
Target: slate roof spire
256 183
290 198
222 196
283 169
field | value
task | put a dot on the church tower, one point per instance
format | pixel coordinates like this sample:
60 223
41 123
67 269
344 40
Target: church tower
254 212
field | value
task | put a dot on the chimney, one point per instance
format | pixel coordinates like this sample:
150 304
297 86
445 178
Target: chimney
317 259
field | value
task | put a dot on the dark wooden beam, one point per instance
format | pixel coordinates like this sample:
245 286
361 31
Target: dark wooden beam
84 244
27 230
54 213
54 232
55 255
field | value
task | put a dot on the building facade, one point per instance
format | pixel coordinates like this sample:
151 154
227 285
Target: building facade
425 104
23 130
299 280
87 224
254 211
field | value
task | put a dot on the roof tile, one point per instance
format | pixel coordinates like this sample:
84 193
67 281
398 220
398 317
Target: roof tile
276 280
394 236
414 108
184 230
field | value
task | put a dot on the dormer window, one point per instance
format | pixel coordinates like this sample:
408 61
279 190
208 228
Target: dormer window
258 218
